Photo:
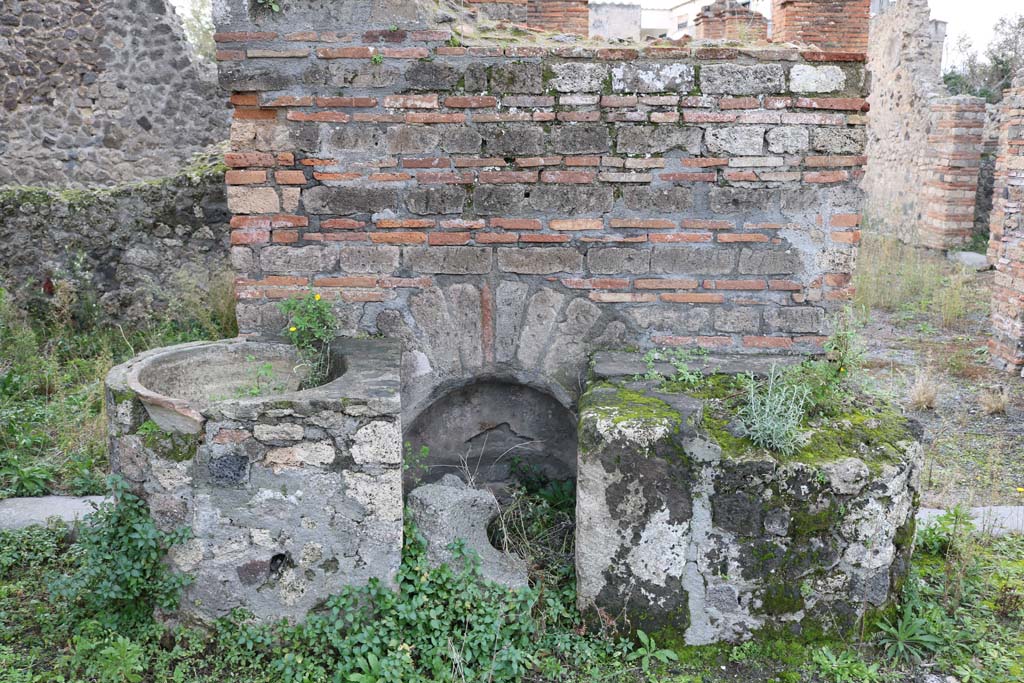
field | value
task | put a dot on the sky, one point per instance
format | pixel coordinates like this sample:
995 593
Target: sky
974 18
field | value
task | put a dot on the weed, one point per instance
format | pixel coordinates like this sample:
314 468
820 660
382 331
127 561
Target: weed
52 432
844 667
649 651
311 328
907 639
683 377
994 401
924 392
121 576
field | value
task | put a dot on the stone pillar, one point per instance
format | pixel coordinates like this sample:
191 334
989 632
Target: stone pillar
1006 244
952 162
826 24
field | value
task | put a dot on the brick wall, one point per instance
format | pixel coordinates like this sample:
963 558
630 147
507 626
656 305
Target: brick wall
563 16
826 24
505 209
101 92
726 19
951 165
1006 245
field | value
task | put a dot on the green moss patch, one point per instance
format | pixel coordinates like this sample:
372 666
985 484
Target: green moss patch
870 430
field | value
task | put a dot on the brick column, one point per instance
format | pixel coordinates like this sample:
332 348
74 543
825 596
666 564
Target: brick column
726 19
951 165
565 16
827 24
1006 245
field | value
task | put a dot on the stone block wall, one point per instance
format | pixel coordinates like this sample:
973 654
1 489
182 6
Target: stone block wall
826 24
1006 245
728 20
506 209
100 92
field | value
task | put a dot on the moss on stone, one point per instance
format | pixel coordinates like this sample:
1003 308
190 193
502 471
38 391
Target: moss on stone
871 433
609 411
618 404
167 445
781 597
804 524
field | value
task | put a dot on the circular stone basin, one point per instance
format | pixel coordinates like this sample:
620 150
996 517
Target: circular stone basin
176 384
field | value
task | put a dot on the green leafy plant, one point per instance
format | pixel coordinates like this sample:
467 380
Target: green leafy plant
773 412
377 58
311 328
942 534
267 5
908 640
21 477
106 657
683 377
121 575
844 667
649 651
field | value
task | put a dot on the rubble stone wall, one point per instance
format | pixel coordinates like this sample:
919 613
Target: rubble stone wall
135 249
100 92
924 147
684 531
505 209
1006 242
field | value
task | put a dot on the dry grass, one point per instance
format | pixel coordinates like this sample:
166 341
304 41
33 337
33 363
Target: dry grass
892 276
994 400
924 392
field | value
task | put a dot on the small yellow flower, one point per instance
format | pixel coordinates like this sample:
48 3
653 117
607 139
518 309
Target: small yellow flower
292 328
317 297
1020 489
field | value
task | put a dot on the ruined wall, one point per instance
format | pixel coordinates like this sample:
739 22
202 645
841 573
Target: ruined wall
563 16
135 250
100 91
1006 245
826 24
924 147
728 20
504 210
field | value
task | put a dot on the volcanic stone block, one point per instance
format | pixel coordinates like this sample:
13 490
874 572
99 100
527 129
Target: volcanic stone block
634 507
449 511
738 79
649 77
686 527
573 77
517 77
807 78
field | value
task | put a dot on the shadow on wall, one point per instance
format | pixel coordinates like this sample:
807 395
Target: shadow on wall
491 432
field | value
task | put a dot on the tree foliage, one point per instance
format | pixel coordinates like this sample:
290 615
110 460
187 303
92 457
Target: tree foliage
990 73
